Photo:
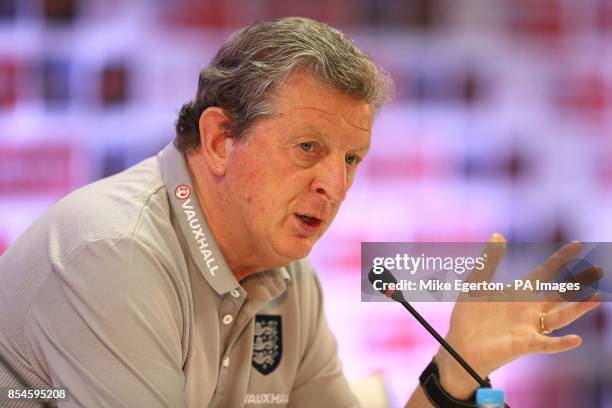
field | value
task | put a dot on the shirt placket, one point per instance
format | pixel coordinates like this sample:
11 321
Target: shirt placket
239 345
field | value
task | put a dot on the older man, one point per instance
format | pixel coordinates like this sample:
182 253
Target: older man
183 280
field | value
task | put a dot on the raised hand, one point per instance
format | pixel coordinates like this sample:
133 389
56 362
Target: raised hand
490 334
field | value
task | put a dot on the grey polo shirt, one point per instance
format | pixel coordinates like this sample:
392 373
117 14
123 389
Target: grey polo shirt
120 293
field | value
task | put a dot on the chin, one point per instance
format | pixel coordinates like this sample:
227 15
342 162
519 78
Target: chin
295 248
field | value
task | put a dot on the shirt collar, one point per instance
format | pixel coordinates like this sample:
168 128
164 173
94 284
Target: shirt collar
204 250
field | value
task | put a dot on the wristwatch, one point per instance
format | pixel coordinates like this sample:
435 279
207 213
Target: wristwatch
430 381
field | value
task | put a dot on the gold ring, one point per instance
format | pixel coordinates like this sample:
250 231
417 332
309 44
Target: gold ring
543 325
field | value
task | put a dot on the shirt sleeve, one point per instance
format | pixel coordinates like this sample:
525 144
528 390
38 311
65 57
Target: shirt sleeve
320 381
107 324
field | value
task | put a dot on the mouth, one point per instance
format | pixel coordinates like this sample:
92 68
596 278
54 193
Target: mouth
309 222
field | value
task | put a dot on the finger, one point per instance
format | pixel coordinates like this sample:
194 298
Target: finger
584 279
587 276
545 344
551 267
566 313
492 255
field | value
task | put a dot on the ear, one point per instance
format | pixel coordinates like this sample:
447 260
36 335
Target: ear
214 139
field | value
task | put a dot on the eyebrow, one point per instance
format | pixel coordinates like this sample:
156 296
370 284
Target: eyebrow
324 135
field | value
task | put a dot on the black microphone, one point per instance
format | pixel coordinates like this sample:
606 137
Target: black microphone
387 278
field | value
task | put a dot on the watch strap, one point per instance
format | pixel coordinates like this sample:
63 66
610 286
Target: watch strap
437 395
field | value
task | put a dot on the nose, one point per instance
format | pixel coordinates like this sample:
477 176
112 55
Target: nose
331 180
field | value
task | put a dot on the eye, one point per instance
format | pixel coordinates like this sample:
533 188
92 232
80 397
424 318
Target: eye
352 160
307 146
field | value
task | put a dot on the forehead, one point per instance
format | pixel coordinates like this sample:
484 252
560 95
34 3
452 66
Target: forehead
304 98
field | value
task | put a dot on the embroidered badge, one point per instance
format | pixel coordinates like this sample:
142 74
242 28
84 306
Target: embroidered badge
267 343
182 192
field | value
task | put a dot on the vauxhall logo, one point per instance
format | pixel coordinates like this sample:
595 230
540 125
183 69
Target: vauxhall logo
199 237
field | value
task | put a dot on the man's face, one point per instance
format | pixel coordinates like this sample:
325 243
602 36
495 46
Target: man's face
293 169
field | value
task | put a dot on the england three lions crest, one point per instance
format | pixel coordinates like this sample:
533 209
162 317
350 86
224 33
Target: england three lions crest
267 343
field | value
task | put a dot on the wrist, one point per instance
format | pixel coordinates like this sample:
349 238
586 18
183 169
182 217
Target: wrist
453 377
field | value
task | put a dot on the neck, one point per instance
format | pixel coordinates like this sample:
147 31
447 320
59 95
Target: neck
239 256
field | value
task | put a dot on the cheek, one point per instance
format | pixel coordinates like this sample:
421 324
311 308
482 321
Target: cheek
265 188
253 199
260 195
350 178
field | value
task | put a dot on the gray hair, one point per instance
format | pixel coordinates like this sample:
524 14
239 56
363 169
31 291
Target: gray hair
256 61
